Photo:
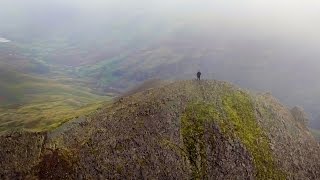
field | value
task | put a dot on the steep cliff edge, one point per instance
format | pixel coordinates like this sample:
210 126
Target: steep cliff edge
182 130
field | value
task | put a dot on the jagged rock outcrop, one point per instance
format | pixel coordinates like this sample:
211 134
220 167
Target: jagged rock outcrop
183 130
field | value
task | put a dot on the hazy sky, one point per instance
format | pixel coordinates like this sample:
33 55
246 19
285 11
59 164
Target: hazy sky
296 13
296 21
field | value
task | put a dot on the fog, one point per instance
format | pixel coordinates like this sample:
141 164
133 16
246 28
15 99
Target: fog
296 19
273 43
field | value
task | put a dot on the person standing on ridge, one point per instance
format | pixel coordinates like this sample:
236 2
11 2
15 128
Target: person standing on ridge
198 75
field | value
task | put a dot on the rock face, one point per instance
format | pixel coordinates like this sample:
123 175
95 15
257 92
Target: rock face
183 130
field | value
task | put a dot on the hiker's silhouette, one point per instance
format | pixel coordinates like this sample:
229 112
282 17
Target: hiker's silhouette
198 75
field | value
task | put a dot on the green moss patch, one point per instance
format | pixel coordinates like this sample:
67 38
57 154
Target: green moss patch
192 131
239 110
234 113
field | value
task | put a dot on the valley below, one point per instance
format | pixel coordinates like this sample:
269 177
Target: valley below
34 100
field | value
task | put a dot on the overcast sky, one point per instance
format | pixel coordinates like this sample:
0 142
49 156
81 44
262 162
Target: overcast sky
296 21
301 15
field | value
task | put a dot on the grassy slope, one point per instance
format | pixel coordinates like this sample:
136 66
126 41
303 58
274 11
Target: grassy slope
36 103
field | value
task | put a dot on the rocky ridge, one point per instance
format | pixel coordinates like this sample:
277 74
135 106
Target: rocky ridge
182 130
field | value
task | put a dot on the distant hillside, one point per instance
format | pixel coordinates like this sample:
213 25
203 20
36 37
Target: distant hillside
39 103
182 130
316 133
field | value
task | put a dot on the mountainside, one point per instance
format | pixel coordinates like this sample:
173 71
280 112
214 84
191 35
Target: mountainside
38 103
181 130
